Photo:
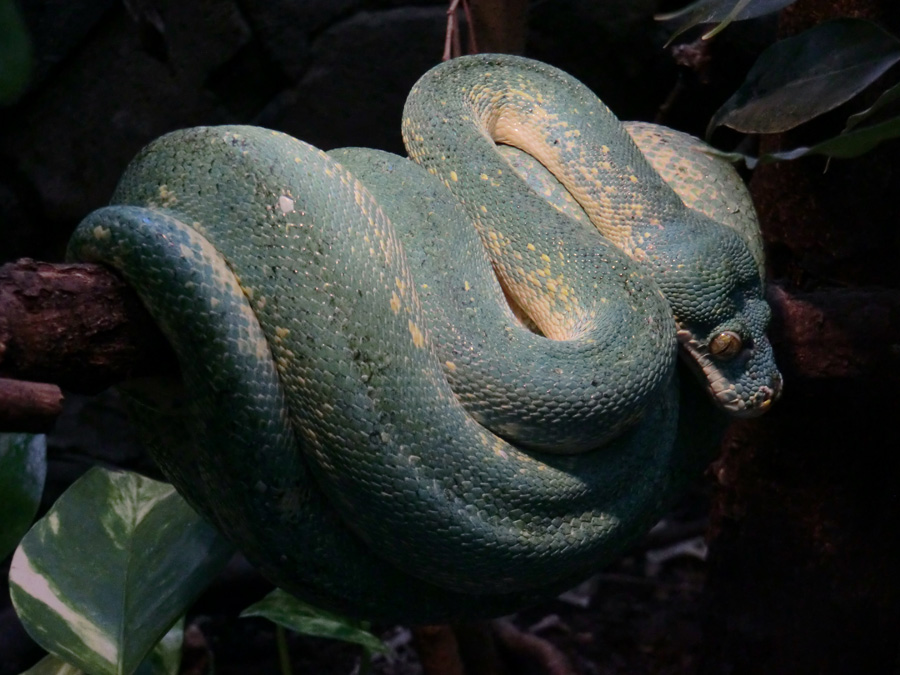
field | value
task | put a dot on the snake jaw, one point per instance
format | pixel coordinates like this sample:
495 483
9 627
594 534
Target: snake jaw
727 382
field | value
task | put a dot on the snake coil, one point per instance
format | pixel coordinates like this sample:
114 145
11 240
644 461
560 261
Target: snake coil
445 388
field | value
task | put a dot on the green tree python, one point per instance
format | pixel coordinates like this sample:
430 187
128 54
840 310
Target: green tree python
442 388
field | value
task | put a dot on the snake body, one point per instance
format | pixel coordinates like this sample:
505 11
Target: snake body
401 416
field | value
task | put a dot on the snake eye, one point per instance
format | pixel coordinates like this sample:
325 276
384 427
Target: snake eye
726 345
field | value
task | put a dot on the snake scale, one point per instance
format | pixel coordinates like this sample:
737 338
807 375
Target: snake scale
442 388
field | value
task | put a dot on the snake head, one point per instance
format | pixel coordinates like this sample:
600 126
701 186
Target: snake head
715 290
735 359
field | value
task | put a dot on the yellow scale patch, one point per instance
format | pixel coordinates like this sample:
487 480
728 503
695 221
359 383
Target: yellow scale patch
228 283
418 337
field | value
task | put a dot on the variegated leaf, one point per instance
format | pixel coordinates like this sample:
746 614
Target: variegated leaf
118 559
23 468
53 665
285 610
165 659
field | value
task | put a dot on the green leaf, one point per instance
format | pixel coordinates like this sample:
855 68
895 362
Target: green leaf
802 77
734 157
848 145
844 146
15 53
722 12
23 469
165 659
53 665
880 106
104 575
731 16
286 610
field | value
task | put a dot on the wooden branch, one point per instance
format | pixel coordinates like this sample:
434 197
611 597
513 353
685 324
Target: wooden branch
29 406
80 327
74 325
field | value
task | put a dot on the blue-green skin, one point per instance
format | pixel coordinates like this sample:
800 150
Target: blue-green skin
706 271
560 396
316 425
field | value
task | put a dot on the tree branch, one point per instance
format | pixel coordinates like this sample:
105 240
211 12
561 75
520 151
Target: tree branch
29 406
77 326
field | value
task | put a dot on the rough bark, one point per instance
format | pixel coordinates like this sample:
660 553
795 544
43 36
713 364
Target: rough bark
29 406
75 325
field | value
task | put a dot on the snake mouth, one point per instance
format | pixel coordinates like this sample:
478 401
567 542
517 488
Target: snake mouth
729 396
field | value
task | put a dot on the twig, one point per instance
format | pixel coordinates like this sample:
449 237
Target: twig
451 31
72 325
534 648
452 41
76 325
693 58
29 406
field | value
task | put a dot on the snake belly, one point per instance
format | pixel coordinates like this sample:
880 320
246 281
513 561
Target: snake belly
339 424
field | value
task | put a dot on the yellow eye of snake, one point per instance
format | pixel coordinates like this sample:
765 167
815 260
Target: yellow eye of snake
726 345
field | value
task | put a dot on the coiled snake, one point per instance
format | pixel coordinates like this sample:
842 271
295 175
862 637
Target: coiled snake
401 416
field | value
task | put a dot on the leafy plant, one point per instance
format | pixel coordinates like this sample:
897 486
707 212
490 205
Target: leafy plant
800 78
23 469
720 12
147 553
103 580
52 665
285 610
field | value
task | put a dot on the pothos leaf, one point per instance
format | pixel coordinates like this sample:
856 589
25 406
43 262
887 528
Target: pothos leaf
165 658
852 144
104 575
53 665
286 610
23 469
